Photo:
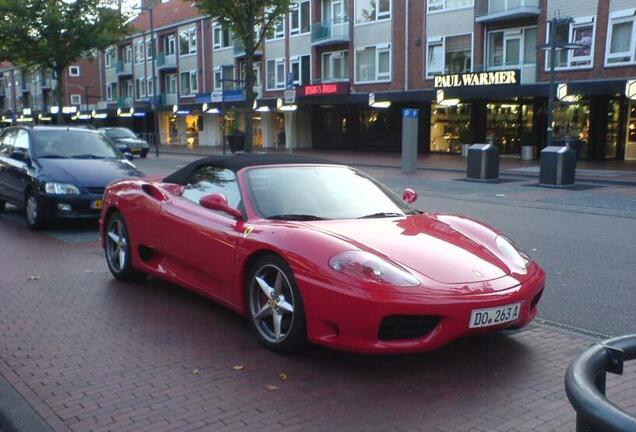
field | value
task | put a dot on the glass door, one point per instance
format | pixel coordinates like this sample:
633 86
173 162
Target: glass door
630 145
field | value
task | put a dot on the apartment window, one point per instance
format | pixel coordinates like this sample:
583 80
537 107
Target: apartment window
139 52
301 69
189 83
76 99
188 42
621 38
373 64
276 30
580 31
220 37
170 45
299 17
74 71
256 67
128 54
449 54
149 49
443 5
111 92
140 88
149 89
512 47
109 57
170 83
335 66
372 10
223 73
275 74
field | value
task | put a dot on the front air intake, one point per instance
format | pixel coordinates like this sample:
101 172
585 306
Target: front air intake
401 327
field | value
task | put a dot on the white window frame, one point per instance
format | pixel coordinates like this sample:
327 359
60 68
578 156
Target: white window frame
296 8
442 40
506 32
191 36
619 17
128 54
576 23
278 85
444 7
171 78
385 16
149 89
299 61
109 91
192 90
378 78
170 42
71 69
138 52
277 34
327 57
140 88
108 58
149 45
218 44
78 99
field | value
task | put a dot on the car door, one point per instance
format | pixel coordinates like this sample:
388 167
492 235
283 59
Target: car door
201 243
6 148
17 167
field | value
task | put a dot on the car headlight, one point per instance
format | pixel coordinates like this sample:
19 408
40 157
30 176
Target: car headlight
513 253
61 189
367 266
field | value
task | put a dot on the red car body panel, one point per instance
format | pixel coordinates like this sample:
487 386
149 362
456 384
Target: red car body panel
454 258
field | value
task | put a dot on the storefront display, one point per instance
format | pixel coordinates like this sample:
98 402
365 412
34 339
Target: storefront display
507 124
450 127
630 145
613 129
572 122
192 127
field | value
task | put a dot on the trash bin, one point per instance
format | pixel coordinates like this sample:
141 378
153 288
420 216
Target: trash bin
483 162
558 166
527 153
465 148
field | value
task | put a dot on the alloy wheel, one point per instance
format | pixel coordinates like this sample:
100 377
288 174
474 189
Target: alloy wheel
271 303
117 245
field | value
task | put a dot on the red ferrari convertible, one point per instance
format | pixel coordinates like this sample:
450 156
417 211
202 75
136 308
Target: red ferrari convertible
309 250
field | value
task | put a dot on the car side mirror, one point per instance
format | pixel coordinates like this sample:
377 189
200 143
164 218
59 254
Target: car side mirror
219 203
129 156
409 196
20 154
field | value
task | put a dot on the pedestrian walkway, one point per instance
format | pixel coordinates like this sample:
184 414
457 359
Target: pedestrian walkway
606 172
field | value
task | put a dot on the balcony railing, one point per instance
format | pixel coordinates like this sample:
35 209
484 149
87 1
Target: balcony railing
166 61
330 31
122 68
499 10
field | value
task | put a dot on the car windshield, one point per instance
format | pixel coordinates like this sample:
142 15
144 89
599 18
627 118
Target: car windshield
119 133
320 192
72 144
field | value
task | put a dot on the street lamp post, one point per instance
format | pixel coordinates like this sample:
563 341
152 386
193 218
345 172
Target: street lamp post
552 47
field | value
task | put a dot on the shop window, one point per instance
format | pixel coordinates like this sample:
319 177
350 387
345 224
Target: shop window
450 127
443 5
373 64
630 146
621 38
572 122
335 66
275 74
372 10
221 37
581 32
613 129
189 83
299 17
509 126
449 54
169 46
188 42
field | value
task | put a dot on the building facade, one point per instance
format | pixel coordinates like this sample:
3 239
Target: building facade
336 74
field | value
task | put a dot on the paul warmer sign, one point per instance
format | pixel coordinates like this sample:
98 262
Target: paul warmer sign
477 79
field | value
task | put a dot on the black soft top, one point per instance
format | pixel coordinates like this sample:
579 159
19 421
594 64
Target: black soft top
240 161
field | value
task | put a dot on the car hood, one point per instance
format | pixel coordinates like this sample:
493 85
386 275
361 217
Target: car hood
86 172
447 249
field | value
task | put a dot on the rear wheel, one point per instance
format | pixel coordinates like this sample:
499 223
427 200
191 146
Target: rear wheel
143 154
118 247
274 306
33 212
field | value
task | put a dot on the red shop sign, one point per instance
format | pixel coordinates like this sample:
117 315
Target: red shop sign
324 89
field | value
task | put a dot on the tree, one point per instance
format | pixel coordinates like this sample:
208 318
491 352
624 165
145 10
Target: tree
56 33
249 21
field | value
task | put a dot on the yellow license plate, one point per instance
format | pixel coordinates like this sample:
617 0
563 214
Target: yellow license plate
97 204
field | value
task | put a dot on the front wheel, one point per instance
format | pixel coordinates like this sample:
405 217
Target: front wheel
118 249
274 306
33 212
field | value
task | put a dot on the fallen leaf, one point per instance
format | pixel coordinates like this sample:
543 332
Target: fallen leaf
34 278
239 367
282 376
271 387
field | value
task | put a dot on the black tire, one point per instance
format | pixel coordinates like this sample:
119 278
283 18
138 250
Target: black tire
33 216
3 205
292 331
143 154
118 250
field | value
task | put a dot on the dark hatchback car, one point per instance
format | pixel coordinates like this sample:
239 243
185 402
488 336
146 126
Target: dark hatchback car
58 172
125 138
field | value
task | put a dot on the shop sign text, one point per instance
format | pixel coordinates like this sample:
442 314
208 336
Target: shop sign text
476 79
324 89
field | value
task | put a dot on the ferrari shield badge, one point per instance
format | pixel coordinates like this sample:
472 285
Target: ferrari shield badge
248 230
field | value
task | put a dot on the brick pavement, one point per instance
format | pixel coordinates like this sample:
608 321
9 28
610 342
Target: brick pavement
92 354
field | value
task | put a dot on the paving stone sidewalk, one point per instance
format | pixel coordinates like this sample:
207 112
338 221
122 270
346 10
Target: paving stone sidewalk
92 354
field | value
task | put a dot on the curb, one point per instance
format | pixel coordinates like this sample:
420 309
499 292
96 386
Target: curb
16 414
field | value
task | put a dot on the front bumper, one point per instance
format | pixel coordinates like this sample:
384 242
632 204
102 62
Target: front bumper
351 321
79 206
